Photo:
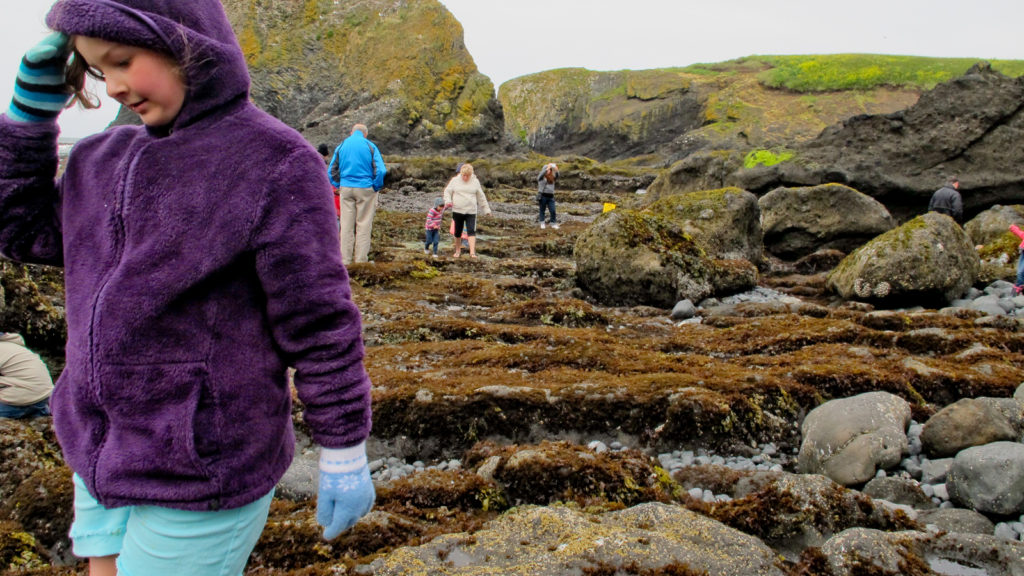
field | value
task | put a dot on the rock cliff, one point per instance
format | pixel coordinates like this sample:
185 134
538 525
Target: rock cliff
674 112
602 114
892 127
399 66
970 125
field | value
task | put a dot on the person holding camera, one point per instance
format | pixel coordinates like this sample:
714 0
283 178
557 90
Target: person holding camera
546 194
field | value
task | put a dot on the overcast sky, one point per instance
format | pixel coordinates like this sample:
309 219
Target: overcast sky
515 37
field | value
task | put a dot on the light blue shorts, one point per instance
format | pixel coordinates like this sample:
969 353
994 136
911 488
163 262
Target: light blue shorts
150 540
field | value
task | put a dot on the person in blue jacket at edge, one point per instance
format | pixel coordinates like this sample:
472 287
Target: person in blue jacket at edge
357 170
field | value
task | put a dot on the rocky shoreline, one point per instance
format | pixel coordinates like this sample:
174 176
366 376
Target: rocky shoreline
520 427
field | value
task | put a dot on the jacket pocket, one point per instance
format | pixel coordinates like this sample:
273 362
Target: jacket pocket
150 443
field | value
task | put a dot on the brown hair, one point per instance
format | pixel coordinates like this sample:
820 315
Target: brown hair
77 69
74 81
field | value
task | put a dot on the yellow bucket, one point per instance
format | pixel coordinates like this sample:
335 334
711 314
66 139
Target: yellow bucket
608 207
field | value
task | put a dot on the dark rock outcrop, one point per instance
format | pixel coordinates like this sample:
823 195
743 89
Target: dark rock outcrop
800 221
970 126
602 114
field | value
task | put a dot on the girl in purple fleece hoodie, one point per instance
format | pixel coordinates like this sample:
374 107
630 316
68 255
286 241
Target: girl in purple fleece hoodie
201 261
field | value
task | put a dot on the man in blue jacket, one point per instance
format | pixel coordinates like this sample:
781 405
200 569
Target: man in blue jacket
357 170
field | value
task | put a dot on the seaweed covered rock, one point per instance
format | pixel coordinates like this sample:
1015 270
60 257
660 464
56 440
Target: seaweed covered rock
800 221
789 512
32 304
25 447
645 539
997 246
850 439
725 222
993 224
43 504
561 472
927 261
632 257
864 551
19 550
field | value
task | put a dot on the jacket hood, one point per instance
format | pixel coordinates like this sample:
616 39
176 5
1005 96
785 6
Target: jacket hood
196 34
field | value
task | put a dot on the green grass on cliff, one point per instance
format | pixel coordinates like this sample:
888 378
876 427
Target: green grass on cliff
823 73
765 101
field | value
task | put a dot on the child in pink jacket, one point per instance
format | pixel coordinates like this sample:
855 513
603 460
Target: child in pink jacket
1018 284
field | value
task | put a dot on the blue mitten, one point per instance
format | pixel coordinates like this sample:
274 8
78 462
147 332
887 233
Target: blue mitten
40 92
346 492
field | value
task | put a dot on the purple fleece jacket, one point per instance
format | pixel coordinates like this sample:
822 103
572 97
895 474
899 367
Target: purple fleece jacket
201 260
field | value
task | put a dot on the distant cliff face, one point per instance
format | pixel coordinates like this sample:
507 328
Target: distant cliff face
673 112
970 126
398 66
601 114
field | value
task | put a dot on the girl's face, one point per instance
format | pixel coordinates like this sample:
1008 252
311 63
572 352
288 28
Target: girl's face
147 82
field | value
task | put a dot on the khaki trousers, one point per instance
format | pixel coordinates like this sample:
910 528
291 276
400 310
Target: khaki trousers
358 205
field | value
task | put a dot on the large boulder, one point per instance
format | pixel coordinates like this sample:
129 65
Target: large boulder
850 439
725 222
989 478
799 221
993 224
633 257
997 246
972 422
648 538
928 260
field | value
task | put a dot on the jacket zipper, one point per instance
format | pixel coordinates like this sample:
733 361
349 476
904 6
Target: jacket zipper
120 239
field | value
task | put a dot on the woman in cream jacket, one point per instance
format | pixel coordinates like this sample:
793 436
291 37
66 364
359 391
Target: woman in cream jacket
465 196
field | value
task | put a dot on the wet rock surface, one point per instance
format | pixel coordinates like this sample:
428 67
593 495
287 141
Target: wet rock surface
513 414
